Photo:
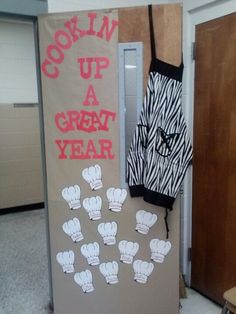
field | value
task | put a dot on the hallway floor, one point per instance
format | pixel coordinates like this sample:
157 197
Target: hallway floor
23 263
197 304
23 269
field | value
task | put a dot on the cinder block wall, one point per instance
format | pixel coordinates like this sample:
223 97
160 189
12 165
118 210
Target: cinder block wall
21 180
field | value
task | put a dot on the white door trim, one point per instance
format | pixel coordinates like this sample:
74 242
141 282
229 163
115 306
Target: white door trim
194 13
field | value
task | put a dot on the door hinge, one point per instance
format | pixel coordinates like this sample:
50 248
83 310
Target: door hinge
189 254
193 51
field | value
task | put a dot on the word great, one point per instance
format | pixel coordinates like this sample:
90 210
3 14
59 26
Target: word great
83 120
65 38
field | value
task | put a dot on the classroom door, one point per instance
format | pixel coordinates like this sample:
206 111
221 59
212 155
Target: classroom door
214 163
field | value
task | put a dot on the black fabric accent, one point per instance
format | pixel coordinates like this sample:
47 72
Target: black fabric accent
165 141
167 69
151 29
136 190
166 223
158 199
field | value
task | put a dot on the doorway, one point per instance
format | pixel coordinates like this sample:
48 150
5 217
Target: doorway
214 171
195 14
23 245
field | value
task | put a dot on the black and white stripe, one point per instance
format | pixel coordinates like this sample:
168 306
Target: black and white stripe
160 151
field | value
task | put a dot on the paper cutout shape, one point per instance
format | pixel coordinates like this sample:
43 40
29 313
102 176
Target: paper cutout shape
66 259
128 250
85 280
91 252
108 231
93 206
110 272
159 250
145 220
142 270
71 195
73 229
93 176
116 198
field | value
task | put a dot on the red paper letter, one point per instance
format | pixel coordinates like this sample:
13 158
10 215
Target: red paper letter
73 117
61 123
91 151
62 144
59 57
81 61
106 147
91 99
92 17
101 63
105 26
75 32
106 114
62 39
46 71
77 149
86 121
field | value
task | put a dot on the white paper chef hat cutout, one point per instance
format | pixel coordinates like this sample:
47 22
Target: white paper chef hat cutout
110 271
108 231
159 250
71 195
142 270
73 229
128 250
93 176
144 221
66 259
91 252
93 206
116 198
85 280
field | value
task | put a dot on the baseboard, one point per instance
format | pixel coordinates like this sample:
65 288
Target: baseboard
23 208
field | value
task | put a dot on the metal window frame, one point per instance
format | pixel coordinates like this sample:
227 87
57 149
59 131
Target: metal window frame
122 48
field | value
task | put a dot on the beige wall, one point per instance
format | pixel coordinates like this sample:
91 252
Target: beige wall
20 153
18 81
20 157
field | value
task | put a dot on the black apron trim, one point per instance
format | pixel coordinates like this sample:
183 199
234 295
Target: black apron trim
136 190
158 199
152 35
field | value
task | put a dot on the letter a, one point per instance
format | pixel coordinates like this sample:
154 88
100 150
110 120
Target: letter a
91 99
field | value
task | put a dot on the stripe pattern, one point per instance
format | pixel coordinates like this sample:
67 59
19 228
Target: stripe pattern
160 151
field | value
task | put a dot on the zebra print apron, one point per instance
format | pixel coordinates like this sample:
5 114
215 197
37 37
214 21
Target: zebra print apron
160 150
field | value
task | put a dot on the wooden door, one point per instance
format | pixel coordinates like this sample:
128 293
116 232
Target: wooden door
214 163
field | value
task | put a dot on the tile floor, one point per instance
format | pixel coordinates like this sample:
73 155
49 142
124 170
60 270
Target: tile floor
195 303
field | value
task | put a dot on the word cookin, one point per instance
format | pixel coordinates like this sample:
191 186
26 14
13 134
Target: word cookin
65 38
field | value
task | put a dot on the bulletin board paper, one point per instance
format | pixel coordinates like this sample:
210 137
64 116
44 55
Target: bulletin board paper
80 93
100 263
